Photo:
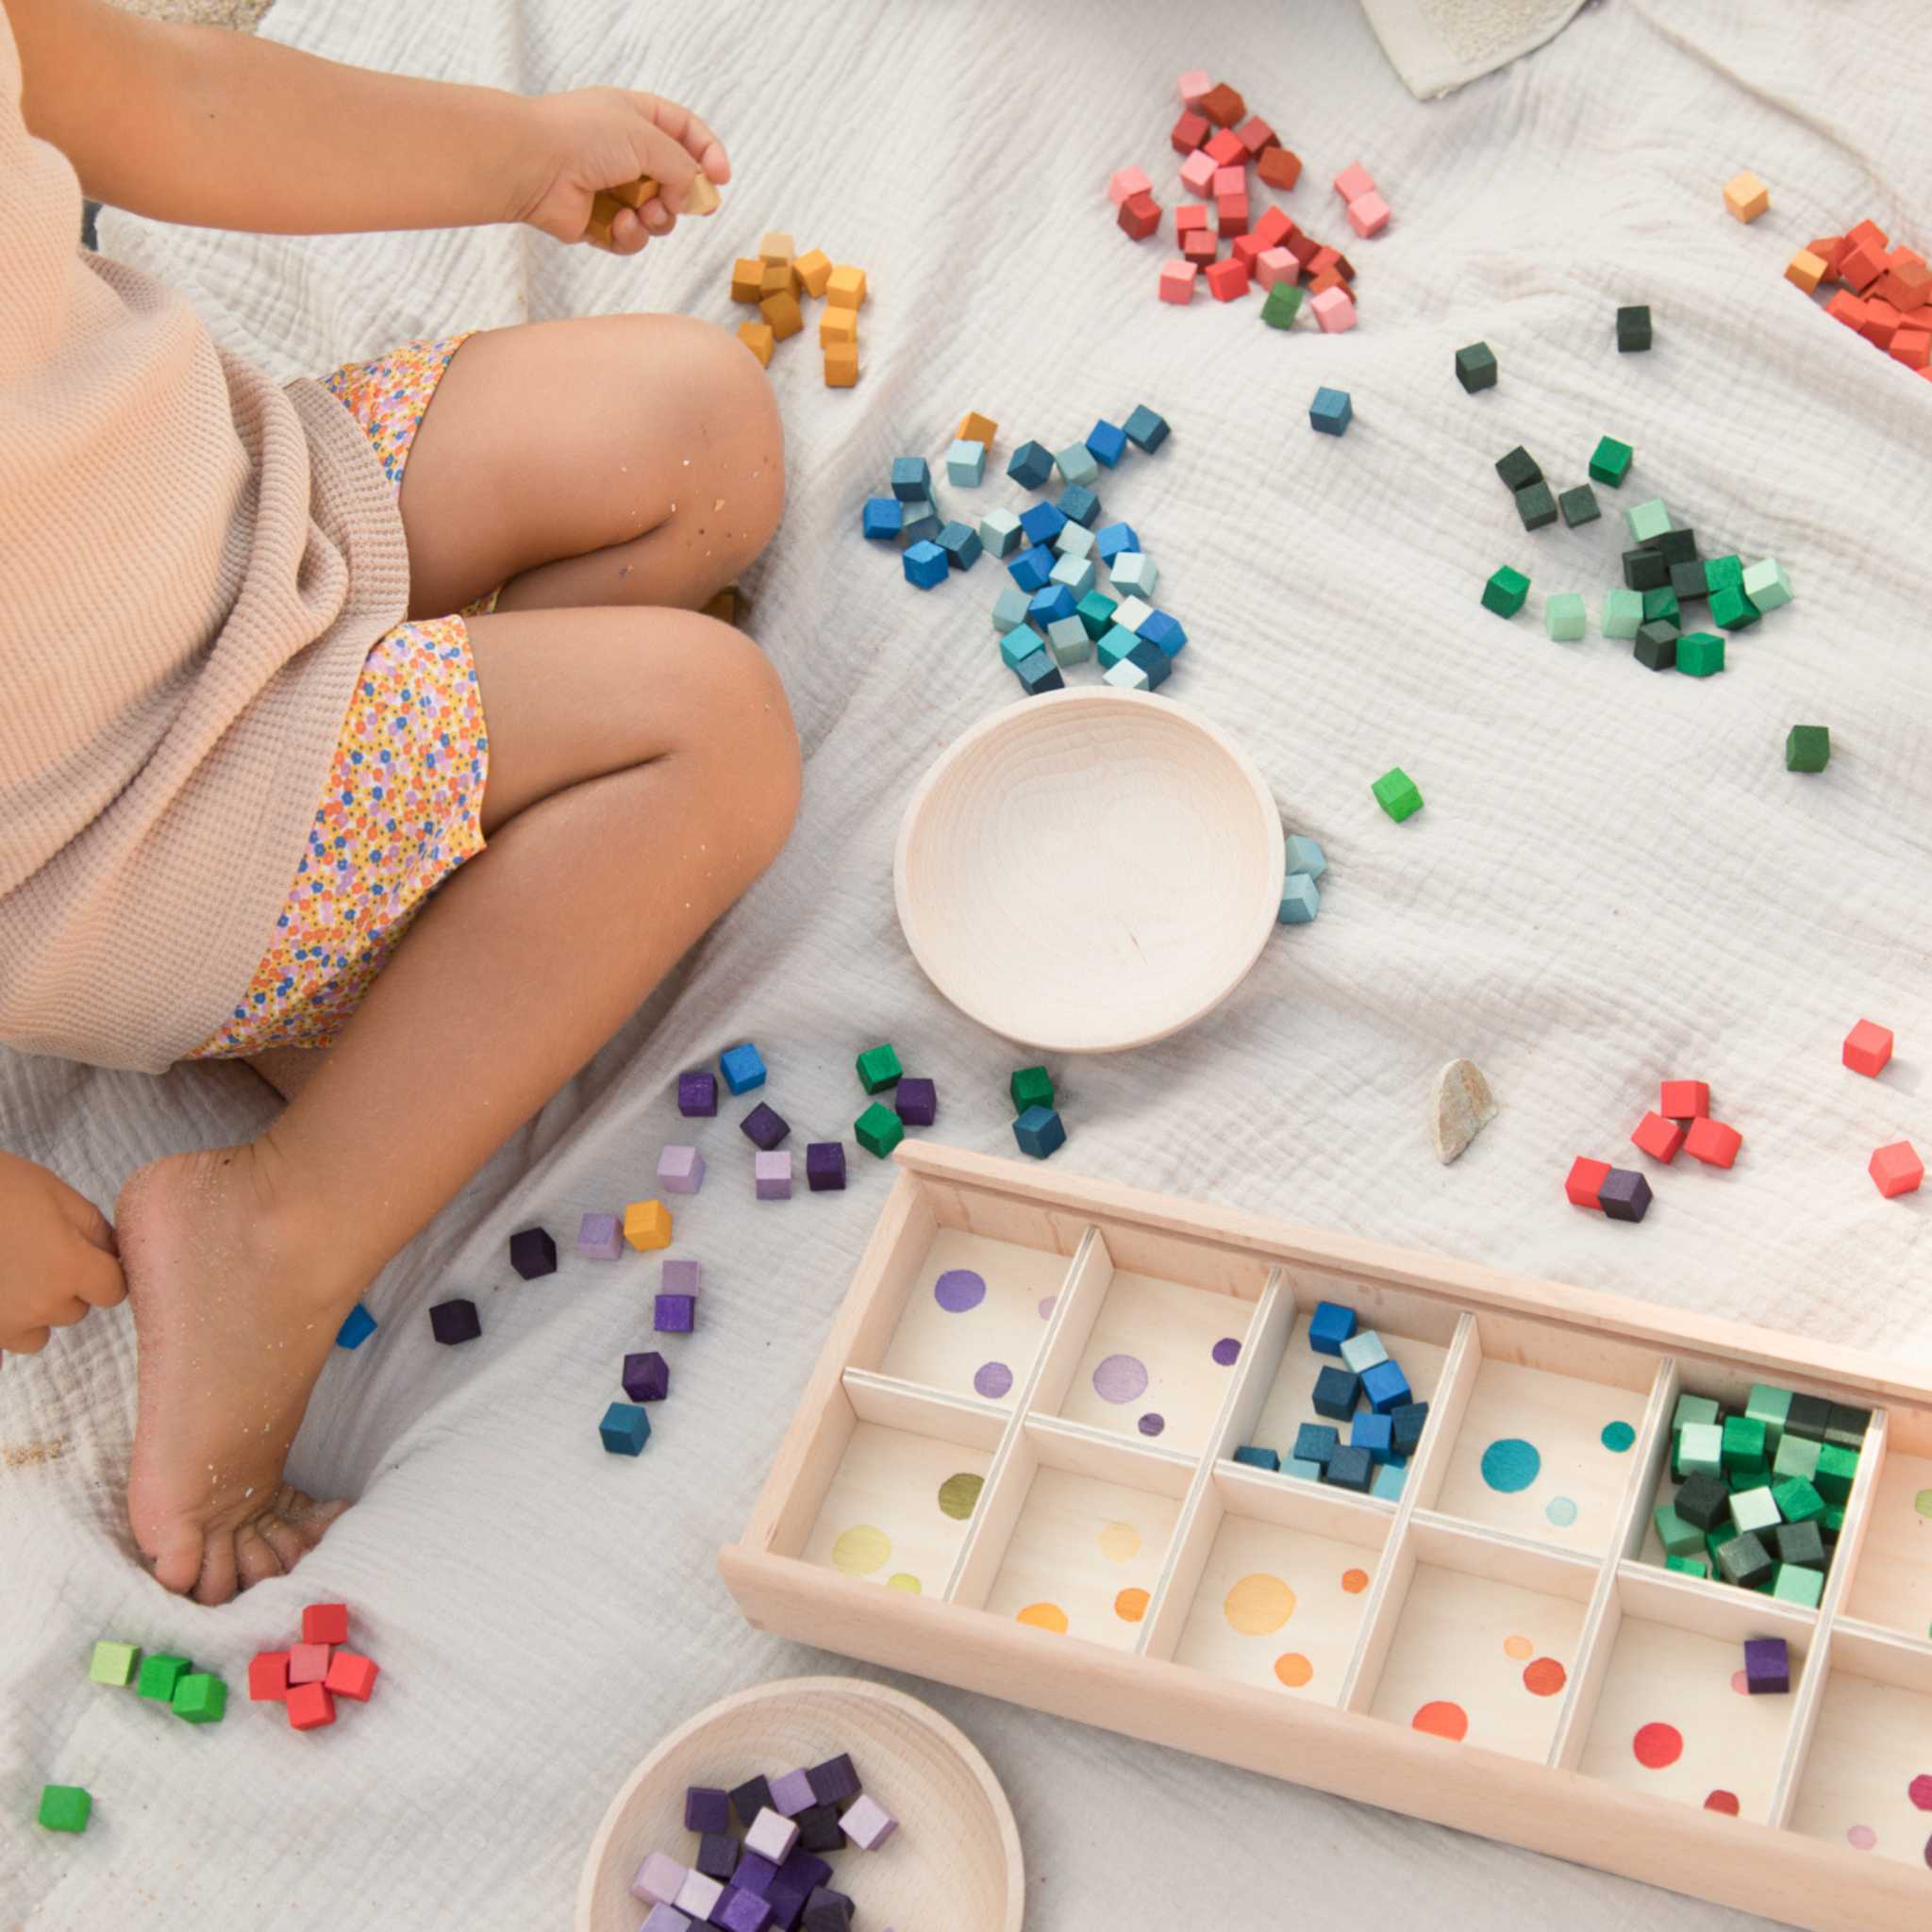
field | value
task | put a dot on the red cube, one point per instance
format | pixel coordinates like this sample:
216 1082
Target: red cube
1684 1100
1304 247
1231 214
1867 1048
1913 347
1248 250
1138 217
1227 281
308 1663
1190 132
1224 106
268 1676
1225 150
1254 134
350 1675
325 1623
1880 323
310 1706
1280 167
1846 307
1325 259
1860 265
1585 1177
1712 1143
1659 1137
1868 234
1190 214
1199 246
1827 248
1898 1169
1274 228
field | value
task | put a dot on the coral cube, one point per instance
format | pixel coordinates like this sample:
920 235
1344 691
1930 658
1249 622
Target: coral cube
1279 167
1177 284
1227 281
1331 411
325 1623
310 1706
771 1174
1712 1143
268 1676
1039 1131
1895 1170
1684 1100
742 1067
308 1663
1397 794
350 1675
1125 182
1658 1136
1585 1177
1867 1048
680 1170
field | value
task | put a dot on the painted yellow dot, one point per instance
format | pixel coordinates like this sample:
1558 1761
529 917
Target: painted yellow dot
904 1580
860 1550
1259 1603
1130 1606
1119 1542
1044 1617
1294 1669
959 1496
1518 1647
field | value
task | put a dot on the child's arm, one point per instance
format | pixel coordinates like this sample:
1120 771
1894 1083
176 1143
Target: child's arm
220 129
57 1257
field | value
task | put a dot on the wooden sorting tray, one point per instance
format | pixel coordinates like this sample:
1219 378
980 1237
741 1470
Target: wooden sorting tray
1010 1472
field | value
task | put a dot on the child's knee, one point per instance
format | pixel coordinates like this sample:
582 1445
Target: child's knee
749 756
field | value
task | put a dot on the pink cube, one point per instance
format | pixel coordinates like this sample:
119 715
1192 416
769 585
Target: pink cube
1231 214
771 1175
1126 181
1197 173
1368 214
1195 82
680 1170
1276 265
1229 181
1333 311
1177 282
308 1663
1254 134
1353 182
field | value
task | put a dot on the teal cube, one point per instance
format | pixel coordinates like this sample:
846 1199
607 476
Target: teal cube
1332 411
1095 611
1700 653
1304 856
1039 1131
1018 645
1647 519
1113 646
1300 900
1389 1477
1623 613
1505 591
1564 617
626 1428
1397 794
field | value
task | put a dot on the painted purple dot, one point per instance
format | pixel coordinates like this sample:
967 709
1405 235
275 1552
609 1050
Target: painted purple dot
958 1289
1120 1378
1152 1423
1227 1351
993 1380
1046 1302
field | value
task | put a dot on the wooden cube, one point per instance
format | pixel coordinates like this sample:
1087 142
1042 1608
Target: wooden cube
1228 281
1806 269
1189 133
842 365
1195 85
758 339
701 195
1333 309
813 271
1225 150
776 246
1712 1143
1280 167
782 315
1585 1177
747 279
1684 1100
1222 105
1746 197
1177 282
350 1675
1896 1169
973 427
1256 135
201 1698
1200 247
1123 183
1138 217
838 326
647 1224
846 287
1867 1048
1368 214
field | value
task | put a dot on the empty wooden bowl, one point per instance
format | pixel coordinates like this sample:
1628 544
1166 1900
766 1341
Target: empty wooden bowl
1090 869
954 1861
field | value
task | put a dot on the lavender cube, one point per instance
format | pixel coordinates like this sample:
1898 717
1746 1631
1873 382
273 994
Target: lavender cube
764 1126
717 1854
698 1896
918 1103
680 1170
741 1912
836 1780
675 1314
824 1166
1624 1194
706 1809
600 1238
867 1823
750 1798
663 1918
1766 1665
647 1378
697 1096
682 1277
792 1793
532 1253
770 1836
771 1176
659 1879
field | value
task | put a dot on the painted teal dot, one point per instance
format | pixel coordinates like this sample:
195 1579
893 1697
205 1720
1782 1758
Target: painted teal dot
1511 1464
1560 1511
1618 1437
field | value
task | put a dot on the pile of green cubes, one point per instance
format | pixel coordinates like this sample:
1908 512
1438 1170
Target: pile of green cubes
1761 1495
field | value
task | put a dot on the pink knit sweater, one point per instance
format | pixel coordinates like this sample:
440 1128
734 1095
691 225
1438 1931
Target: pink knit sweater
194 563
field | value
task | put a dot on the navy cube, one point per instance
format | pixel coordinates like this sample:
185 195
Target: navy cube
1386 1388
1030 465
1042 523
1350 1467
1329 1326
1152 660
960 541
532 1253
1407 1419
1038 673
1315 1443
455 1321
1336 1392
1144 429
1257 1457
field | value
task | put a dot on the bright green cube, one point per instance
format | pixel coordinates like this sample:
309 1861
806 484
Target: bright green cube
1808 748
1724 573
159 1673
1836 1469
113 1663
1755 1476
1700 653
1701 1446
1833 1523
1282 304
1744 1444
1030 1086
1647 519
879 1068
1660 606
65 1807
1753 1510
1679 1537
1689 1566
878 1129
1791 1583
1797 1456
1769 1406
1095 611
1693 1408
1395 792
1623 613
1766 584
1505 591
200 1698
1610 462
1797 1500
1731 609
1563 617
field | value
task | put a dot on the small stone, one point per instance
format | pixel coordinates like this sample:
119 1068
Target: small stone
1465 1107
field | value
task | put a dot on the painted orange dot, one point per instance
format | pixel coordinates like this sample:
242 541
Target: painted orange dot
1441 1719
1657 1745
1294 1670
1044 1617
1544 1678
1518 1647
1130 1606
1726 1802
1354 1581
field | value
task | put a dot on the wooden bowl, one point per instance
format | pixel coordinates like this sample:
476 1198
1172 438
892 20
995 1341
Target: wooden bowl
953 1862
1090 869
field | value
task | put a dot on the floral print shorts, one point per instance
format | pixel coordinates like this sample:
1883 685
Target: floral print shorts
403 806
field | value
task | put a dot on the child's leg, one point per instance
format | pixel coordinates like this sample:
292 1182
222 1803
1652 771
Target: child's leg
643 770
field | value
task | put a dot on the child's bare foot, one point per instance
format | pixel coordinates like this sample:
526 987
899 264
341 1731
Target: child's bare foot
234 1323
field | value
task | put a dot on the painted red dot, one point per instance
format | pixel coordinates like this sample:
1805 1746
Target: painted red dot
1441 1719
1544 1676
1920 1791
1657 1745
1726 1802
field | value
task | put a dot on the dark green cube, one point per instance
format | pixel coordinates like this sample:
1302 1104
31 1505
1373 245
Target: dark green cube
1537 507
1732 609
879 1068
878 1129
1836 1469
1700 653
1030 1086
1579 506
1705 1500
1745 1562
1610 462
1644 570
1633 327
1808 748
1674 546
1505 591
1808 1416
1847 1426
1660 606
1519 468
1687 579
1802 1543
1476 367
1656 647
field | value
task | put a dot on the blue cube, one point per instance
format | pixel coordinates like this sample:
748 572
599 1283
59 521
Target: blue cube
1108 440
1407 1420
1336 1392
1375 1433
742 1067
1152 660
1051 603
1308 1472
626 1429
1115 540
1306 857
966 463
1384 1386
358 1325
1032 568
1388 1480
1165 631
1255 1457
1301 900
1080 504
926 565
1329 1326
1350 1469
1076 573
911 479
1020 643
1144 429
1038 1130
1113 644
1331 411
960 541
1038 673
1009 609
882 517
1041 523
1316 1442
1030 465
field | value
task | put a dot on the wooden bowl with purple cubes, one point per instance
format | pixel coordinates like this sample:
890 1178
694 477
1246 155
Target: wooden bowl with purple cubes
944 1852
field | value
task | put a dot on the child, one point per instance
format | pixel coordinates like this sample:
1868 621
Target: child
262 789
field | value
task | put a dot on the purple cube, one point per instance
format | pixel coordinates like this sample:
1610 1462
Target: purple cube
819 1829
824 1166
771 1176
741 1912
680 1170
792 1793
804 1871
764 1126
706 1809
682 1277
600 1238
664 1918
772 1837
827 1910
532 1253
1766 1665
918 1103
659 1879
647 1378
697 1096
755 1871
675 1314
836 1780
717 1855
455 1321
1624 1194
750 1798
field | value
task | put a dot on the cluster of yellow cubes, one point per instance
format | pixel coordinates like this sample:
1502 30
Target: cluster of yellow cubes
772 282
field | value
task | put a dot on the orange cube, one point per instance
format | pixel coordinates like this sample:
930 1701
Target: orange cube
1913 347
846 289
1845 307
1880 323
758 339
1746 197
973 427
747 279
1659 1137
782 315
813 271
1860 265
842 365
774 278
1806 269
838 326
647 1224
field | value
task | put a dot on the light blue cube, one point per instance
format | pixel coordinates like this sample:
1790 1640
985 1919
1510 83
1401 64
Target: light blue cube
1308 1472
626 1428
966 464
1304 856
1113 644
1009 608
1563 616
1076 463
1075 572
1124 674
1388 1480
1363 1350
1113 540
1623 613
1300 900
999 530
1135 570
1073 542
1067 638
1647 519
926 565
1766 584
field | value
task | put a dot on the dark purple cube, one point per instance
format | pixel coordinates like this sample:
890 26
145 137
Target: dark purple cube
819 1829
787 1900
917 1102
647 1378
804 1871
750 1798
756 1873
741 1912
675 1314
764 1126
835 1781
824 1166
532 1253
827 1910
1766 1665
697 1096
1624 1194
717 1854
453 1322
706 1809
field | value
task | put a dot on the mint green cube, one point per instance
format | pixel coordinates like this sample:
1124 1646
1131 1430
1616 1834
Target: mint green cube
1000 532
1693 1408
1623 612
1701 1448
1791 1583
1796 1460
1700 653
1766 584
113 1664
1647 519
1753 1510
1679 1537
1769 1406
1396 793
1564 617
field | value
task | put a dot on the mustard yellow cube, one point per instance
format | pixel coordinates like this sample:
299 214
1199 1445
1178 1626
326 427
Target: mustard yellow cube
846 288
647 1224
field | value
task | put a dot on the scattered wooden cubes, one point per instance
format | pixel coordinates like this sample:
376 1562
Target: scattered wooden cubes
1332 411
1476 367
453 1322
1039 1131
680 1170
1745 196
1895 1170
772 1176
1867 1048
65 1807
647 1224
1633 328
1397 794
1564 617
1808 748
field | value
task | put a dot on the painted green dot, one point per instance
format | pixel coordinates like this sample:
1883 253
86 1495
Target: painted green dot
1618 1437
959 1496
1923 1502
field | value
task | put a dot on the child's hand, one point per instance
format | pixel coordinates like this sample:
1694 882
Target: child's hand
58 1257
600 138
